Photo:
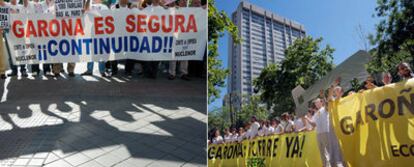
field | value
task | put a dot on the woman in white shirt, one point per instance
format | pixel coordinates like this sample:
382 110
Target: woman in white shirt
271 129
264 128
217 138
227 135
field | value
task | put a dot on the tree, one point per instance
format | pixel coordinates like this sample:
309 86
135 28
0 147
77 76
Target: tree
305 62
363 37
219 118
394 38
218 24
253 107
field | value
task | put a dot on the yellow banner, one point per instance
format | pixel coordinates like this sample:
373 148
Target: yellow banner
294 149
376 127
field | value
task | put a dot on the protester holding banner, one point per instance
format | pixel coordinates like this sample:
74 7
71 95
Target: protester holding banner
254 128
15 7
112 66
3 57
151 67
386 78
328 140
96 5
404 71
35 7
183 64
227 136
234 135
287 124
241 135
217 138
320 120
301 124
56 67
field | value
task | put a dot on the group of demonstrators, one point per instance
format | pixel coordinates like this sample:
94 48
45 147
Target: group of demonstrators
287 123
106 68
317 118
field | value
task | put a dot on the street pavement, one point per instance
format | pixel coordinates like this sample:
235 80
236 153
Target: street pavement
90 121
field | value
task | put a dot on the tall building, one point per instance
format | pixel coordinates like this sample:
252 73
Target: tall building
265 36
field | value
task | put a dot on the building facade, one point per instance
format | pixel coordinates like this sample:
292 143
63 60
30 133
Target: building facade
265 36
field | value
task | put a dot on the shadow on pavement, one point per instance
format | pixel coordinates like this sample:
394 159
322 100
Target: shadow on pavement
81 113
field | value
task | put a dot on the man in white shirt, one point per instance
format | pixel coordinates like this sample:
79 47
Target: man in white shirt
287 124
320 120
329 154
183 63
96 5
36 7
254 127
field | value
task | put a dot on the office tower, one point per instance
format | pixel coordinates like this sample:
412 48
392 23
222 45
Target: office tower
265 36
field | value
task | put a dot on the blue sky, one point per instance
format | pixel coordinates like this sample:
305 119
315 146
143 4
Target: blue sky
336 21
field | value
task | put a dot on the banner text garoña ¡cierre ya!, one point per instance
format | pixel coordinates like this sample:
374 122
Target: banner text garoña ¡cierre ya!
292 149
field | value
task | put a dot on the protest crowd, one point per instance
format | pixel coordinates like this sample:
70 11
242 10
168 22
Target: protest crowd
108 69
317 118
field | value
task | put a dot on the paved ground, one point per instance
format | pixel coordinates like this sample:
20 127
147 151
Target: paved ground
94 121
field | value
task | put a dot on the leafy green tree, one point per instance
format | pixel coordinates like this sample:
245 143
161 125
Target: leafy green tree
253 107
218 24
394 38
305 62
219 118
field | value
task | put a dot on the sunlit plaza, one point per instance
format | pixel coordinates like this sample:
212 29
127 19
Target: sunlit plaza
96 121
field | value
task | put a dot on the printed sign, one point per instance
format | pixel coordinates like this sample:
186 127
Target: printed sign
68 8
4 17
149 34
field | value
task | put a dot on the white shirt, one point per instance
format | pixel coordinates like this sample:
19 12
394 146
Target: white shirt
36 7
262 131
228 138
299 124
248 134
218 140
279 129
98 6
234 137
241 137
17 8
270 131
308 125
321 119
254 129
49 8
287 126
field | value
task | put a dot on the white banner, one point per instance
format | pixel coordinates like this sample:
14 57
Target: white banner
149 34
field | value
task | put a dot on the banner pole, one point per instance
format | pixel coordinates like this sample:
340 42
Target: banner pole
11 64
